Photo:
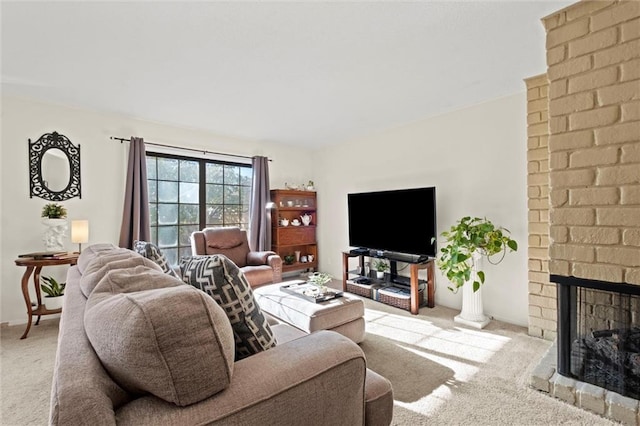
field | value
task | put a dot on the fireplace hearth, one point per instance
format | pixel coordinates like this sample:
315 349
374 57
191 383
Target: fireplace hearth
599 333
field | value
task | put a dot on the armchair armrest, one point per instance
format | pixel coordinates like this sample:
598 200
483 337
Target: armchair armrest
275 262
255 258
317 379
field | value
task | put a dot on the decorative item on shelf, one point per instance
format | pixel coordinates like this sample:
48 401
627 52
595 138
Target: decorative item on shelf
310 257
295 222
468 242
306 219
310 186
320 279
54 293
284 222
289 259
381 267
54 218
79 232
297 253
303 259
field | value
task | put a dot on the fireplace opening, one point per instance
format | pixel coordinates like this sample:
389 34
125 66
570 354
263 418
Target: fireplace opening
599 333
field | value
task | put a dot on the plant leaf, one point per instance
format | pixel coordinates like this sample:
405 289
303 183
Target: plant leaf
476 286
513 245
481 276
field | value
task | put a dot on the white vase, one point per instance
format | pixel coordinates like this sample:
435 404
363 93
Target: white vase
380 274
52 303
472 313
54 234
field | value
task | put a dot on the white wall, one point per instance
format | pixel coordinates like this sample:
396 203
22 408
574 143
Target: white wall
103 175
476 158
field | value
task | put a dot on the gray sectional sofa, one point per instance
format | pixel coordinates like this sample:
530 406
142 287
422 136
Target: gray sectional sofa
137 346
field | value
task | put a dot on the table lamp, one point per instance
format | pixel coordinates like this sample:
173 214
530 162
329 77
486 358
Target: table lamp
79 232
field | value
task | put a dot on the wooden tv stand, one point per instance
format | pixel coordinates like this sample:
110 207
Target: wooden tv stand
414 282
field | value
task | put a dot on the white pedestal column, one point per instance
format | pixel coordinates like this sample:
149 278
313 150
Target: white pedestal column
472 313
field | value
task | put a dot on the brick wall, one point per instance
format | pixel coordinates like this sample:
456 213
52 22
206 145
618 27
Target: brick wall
542 294
593 58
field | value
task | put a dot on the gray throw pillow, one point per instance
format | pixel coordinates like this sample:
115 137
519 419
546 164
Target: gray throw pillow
153 334
152 252
221 279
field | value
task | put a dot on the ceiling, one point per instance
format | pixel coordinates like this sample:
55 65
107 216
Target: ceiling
307 73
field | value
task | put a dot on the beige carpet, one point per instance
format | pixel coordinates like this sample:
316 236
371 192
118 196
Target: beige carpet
442 373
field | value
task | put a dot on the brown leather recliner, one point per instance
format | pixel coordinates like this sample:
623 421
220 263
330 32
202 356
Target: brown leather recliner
259 267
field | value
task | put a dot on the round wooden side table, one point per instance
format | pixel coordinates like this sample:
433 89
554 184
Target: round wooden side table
36 265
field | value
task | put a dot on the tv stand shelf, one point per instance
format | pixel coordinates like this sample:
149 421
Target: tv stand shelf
412 281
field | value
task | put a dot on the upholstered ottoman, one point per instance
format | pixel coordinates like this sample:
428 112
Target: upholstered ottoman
344 315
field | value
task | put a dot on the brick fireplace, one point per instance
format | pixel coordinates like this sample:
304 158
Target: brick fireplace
583 158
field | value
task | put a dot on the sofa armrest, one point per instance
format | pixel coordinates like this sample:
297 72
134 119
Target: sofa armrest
256 258
317 379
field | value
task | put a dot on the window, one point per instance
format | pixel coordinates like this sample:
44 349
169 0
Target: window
188 194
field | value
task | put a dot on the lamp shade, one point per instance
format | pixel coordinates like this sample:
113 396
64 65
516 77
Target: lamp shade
79 231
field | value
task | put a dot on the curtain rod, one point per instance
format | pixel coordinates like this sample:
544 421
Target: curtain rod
204 151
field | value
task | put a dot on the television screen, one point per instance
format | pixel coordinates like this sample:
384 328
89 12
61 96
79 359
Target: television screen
399 221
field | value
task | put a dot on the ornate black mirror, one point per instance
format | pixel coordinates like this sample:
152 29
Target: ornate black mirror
54 168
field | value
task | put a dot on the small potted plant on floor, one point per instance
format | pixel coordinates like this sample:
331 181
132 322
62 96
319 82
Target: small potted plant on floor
54 293
381 267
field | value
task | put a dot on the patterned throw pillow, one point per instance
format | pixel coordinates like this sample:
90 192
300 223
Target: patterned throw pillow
221 279
152 252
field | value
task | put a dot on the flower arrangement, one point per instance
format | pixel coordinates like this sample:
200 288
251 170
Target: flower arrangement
54 211
320 279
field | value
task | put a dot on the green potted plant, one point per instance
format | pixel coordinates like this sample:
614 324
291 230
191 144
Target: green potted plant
465 245
289 259
54 211
467 237
54 293
381 267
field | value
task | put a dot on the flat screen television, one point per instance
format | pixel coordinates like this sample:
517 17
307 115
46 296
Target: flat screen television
399 221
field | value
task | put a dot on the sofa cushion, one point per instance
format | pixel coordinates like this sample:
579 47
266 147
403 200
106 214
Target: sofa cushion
220 278
153 334
89 253
99 266
151 251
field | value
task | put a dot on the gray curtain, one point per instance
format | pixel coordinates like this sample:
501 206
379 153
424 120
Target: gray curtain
260 226
135 217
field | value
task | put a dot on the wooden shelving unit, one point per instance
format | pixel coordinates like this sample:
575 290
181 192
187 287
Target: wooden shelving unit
286 240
